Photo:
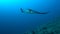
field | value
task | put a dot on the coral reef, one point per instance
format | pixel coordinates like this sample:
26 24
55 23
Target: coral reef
51 28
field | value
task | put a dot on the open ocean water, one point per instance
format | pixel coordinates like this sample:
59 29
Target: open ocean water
12 21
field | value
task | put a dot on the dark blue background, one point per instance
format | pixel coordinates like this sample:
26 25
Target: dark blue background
12 21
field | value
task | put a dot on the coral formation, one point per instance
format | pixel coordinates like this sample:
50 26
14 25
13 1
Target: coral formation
51 28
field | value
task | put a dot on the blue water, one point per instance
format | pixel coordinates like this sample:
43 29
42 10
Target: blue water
12 21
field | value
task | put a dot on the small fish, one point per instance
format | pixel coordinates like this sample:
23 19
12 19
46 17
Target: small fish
30 11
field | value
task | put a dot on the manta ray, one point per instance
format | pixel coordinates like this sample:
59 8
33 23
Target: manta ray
30 11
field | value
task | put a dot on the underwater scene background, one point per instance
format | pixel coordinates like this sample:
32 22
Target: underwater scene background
12 21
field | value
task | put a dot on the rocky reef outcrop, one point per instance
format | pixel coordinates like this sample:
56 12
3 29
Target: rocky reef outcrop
51 28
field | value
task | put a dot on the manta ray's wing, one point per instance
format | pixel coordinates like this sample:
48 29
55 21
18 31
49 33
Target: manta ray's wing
36 12
21 10
40 12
